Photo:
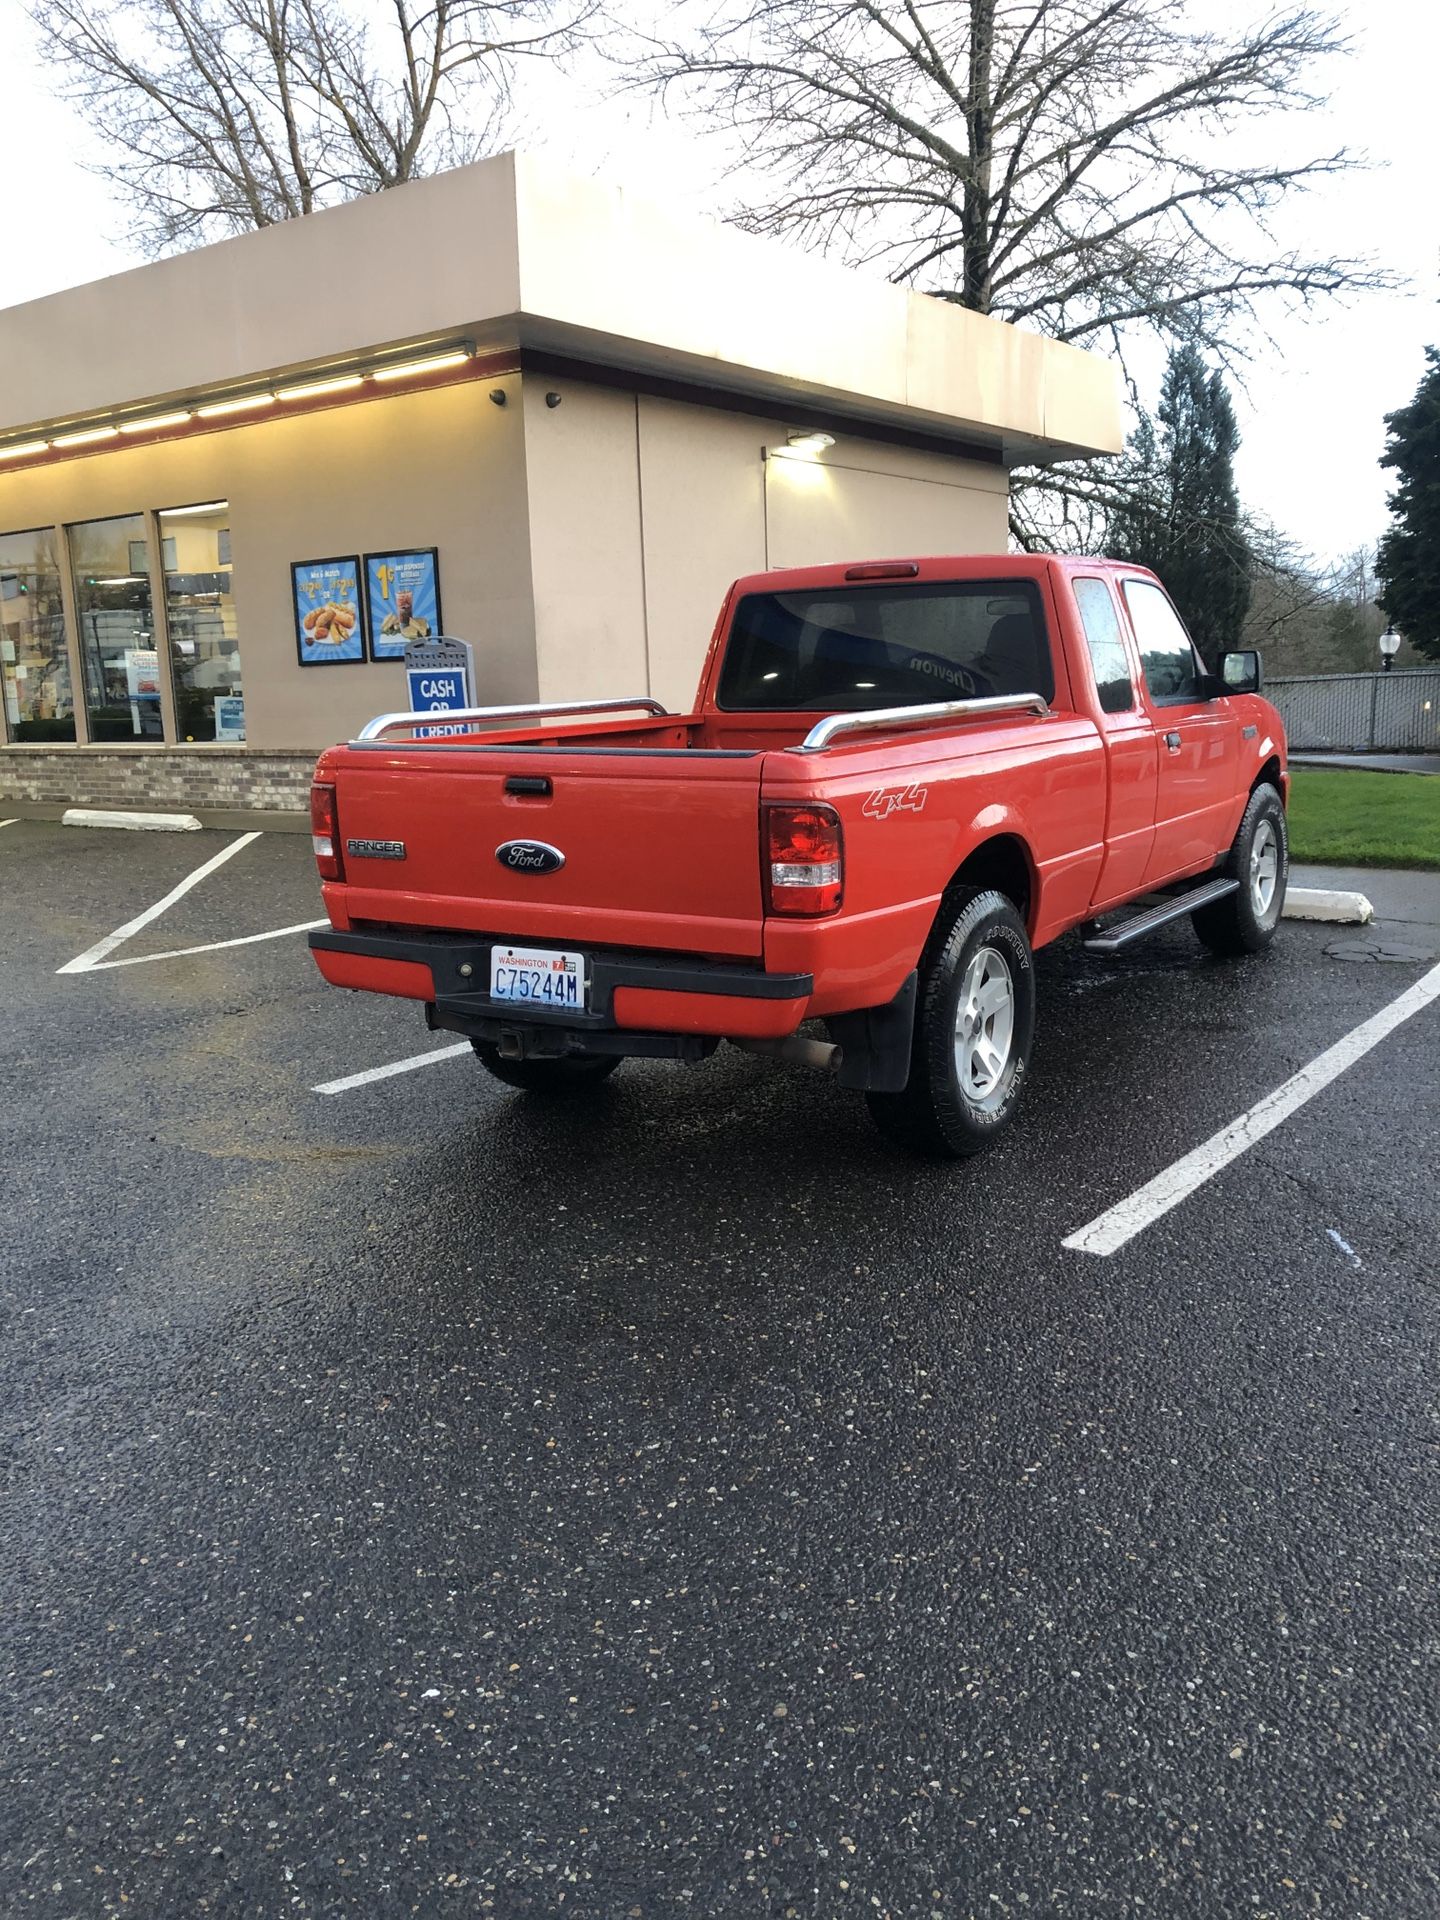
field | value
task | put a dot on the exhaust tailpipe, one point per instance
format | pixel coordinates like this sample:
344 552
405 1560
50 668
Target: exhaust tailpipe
823 1055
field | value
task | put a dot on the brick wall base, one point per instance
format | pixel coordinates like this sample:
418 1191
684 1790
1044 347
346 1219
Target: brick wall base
163 779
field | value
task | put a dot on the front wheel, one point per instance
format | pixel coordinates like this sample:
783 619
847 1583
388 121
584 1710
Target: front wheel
974 1027
574 1074
1245 921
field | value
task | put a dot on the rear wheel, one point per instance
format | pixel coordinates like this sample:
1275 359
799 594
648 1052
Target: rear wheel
974 1026
1245 921
574 1074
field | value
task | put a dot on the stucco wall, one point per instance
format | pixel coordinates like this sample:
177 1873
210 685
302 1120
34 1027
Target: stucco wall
443 468
588 571
430 257
704 526
862 503
628 277
643 510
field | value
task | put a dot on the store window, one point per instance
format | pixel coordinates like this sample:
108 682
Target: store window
34 667
117 628
200 618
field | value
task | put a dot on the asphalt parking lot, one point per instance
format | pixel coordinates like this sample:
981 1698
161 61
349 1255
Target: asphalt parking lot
421 1501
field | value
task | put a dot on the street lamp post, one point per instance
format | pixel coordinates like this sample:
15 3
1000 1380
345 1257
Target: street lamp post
1389 646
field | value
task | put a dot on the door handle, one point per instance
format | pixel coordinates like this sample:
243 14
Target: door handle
1172 741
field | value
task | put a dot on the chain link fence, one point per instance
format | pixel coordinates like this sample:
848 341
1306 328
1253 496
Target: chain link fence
1361 712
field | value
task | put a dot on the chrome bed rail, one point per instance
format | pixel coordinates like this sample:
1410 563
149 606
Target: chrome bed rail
834 725
385 723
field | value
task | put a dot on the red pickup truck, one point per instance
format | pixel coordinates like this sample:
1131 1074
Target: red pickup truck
897 781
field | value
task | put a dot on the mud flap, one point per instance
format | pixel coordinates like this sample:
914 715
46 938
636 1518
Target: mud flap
875 1043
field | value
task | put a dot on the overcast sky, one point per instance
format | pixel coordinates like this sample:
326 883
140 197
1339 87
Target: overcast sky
1311 417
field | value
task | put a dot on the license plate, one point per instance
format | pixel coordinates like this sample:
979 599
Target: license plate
538 976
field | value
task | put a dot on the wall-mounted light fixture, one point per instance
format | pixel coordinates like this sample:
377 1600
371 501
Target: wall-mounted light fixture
25 451
809 442
205 506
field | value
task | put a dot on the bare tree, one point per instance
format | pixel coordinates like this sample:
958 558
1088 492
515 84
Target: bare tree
1312 618
1304 616
224 115
1075 165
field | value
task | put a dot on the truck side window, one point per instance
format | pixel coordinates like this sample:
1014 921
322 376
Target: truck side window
1107 647
1167 656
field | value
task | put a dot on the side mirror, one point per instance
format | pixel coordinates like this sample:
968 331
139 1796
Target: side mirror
1240 672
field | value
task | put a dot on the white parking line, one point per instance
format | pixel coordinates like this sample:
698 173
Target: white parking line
9 823
211 946
396 1066
1111 1230
93 956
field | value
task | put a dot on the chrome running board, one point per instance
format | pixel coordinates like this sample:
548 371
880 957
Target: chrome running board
1113 939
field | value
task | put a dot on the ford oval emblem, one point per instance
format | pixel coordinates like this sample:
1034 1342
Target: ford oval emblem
530 856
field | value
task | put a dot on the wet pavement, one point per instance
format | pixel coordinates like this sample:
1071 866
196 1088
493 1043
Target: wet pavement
425 1501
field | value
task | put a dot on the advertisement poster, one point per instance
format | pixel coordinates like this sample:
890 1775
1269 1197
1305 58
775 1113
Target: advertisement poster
327 611
142 673
229 716
403 594
142 684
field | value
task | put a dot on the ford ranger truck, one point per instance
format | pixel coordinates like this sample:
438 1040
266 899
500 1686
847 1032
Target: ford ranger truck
898 780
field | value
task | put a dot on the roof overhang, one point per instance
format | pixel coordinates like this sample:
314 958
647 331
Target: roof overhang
512 254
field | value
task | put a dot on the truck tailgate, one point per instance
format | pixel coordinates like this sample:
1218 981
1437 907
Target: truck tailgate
661 847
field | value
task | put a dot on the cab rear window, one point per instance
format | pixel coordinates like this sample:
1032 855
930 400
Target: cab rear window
847 648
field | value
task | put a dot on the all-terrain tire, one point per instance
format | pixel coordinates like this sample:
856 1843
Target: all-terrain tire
1245 921
974 1028
576 1074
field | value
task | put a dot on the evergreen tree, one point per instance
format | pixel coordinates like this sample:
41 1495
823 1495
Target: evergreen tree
1409 558
1181 515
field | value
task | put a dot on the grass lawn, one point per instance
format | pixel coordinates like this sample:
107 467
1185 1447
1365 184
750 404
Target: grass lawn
1365 819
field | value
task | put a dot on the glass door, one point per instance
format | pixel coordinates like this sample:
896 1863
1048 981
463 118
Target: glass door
110 562
200 619
34 664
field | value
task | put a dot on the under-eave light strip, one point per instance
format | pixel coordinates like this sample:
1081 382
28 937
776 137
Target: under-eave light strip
313 389
219 407
385 371
412 369
84 439
155 422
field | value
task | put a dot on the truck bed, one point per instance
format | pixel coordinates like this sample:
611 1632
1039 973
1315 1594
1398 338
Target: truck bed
658 819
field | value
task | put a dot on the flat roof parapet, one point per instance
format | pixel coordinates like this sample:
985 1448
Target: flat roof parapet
513 252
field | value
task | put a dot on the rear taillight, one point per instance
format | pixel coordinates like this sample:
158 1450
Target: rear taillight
804 859
325 831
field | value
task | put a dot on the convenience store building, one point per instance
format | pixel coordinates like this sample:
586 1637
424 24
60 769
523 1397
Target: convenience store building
529 409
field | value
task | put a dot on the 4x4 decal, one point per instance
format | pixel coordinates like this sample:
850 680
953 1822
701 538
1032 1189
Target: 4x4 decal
887 800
